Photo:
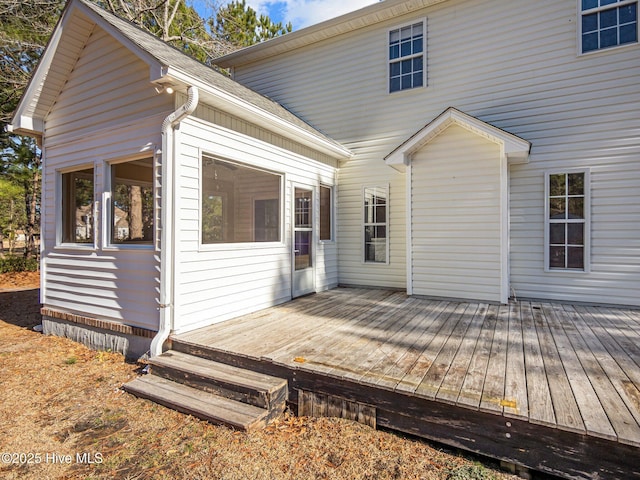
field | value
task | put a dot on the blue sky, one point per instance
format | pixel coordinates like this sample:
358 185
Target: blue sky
301 13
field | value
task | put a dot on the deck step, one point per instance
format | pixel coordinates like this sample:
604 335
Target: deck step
220 393
204 405
228 381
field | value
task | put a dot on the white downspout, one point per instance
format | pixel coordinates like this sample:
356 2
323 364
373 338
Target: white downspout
167 223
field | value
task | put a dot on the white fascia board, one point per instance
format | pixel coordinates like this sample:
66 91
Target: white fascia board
232 104
22 121
328 29
515 148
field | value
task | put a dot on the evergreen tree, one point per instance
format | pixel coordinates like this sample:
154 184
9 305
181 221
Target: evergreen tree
240 25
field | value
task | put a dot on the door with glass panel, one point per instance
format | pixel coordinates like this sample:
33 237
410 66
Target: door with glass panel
303 242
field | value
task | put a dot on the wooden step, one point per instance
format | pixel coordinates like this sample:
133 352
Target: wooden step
201 404
238 384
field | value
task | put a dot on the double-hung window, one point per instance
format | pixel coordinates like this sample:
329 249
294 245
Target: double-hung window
567 220
608 23
376 245
406 57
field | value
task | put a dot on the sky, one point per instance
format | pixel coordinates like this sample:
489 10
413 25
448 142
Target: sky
301 13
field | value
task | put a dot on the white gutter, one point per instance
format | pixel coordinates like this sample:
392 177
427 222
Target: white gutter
167 225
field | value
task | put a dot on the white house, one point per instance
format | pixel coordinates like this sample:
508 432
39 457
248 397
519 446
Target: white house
472 149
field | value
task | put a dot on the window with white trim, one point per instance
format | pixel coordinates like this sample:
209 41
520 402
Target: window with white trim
326 213
132 215
567 220
240 203
608 23
78 220
375 224
407 57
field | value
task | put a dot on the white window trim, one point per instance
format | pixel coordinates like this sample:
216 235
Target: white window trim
384 187
107 245
424 55
59 243
587 221
332 217
216 247
599 9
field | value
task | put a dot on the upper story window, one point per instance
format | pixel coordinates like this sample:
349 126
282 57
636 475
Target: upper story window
406 57
608 23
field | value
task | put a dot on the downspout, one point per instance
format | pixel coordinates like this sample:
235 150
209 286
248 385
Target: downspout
167 224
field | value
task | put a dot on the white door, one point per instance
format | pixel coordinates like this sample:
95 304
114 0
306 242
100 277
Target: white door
303 242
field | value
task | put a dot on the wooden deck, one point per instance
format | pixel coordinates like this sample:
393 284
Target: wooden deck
553 387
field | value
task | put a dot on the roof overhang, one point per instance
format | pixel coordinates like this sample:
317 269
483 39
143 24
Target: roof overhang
364 17
514 149
225 101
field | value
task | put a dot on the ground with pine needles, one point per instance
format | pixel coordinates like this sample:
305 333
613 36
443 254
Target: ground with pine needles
63 415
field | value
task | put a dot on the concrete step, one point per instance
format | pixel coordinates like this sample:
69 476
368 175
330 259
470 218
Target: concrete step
201 404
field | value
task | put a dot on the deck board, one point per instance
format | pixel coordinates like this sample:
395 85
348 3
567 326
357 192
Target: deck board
539 394
516 403
563 368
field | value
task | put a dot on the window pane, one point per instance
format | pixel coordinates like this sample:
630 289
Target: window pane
132 202
239 203
417 45
557 257
576 234
394 85
418 79
325 213
405 33
589 42
576 208
557 209
375 244
588 4
557 233
590 23
394 36
406 82
576 183
405 48
608 37
609 18
628 13
608 2
575 257
628 33
394 69
557 185
303 249
77 207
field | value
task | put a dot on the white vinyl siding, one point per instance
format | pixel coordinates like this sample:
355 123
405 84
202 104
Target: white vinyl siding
107 111
578 111
216 282
456 234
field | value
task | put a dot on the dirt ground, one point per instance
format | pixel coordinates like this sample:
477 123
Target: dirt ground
64 416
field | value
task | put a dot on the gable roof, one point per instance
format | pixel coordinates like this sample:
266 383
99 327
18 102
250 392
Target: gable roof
168 67
376 13
514 148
